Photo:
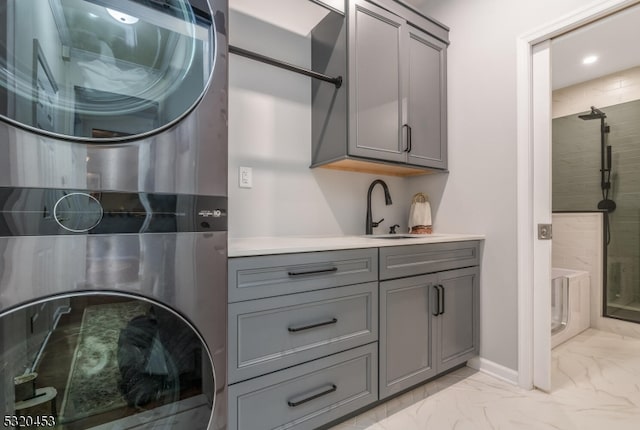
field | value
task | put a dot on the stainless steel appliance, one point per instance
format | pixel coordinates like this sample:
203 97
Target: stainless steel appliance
113 185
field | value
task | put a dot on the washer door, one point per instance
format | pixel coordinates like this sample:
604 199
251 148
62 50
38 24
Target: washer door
103 361
102 70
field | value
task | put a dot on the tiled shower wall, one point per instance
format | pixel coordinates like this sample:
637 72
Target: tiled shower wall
613 89
576 186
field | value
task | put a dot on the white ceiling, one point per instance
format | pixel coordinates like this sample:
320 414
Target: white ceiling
615 40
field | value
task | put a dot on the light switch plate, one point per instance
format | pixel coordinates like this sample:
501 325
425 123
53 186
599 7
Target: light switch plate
245 177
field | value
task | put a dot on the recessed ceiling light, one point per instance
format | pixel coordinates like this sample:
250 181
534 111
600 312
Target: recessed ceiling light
122 17
590 59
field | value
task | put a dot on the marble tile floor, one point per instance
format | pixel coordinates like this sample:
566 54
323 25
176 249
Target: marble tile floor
595 385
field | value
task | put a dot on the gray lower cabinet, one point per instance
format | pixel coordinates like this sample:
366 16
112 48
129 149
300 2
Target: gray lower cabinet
411 260
406 330
457 328
275 275
303 338
428 324
315 336
306 396
278 332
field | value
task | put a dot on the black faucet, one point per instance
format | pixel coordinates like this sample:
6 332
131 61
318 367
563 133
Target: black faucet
387 201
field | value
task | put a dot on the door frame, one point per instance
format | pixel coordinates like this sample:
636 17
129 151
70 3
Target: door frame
533 142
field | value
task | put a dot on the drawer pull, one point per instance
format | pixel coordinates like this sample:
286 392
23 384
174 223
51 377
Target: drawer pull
307 327
314 395
313 272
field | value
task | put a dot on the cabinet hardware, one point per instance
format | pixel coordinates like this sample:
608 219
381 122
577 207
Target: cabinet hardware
313 272
439 301
307 327
337 81
409 138
441 297
436 302
315 394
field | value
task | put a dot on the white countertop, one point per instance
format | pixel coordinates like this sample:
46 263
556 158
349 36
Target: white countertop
248 246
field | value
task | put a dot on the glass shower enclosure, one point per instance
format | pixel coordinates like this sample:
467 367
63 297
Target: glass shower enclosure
596 166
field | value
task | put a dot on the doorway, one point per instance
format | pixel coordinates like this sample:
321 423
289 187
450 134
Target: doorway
534 191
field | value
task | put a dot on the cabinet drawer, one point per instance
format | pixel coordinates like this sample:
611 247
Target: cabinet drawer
274 275
401 261
308 395
278 332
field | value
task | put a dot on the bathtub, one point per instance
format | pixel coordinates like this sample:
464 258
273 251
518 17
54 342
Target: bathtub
570 304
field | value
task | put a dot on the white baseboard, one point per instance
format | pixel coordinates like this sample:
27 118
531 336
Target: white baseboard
494 369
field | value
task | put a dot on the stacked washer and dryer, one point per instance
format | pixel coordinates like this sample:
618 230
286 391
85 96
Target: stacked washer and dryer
113 198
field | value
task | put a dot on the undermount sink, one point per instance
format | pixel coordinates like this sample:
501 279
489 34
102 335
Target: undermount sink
399 236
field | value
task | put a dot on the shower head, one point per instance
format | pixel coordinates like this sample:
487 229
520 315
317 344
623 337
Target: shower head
594 114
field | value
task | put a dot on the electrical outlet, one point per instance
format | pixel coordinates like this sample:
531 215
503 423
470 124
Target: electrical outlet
245 177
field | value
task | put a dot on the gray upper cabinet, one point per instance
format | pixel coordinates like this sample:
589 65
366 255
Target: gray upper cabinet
377 90
427 111
396 107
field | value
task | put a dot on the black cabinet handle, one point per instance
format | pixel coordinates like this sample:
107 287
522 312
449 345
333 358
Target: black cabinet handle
314 395
441 298
436 302
409 143
313 272
307 327
410 139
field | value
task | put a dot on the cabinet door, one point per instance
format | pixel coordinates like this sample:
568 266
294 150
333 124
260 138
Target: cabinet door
376 65
458 322
427 112
406 356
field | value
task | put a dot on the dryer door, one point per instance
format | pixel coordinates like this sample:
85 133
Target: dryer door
103 361
103 70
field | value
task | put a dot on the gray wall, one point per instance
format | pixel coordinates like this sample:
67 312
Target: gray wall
479 195
576 186
270 131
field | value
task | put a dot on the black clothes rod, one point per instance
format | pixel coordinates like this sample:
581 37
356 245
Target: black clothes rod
258 57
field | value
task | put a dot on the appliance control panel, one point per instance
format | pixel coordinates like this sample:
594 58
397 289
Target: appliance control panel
42 211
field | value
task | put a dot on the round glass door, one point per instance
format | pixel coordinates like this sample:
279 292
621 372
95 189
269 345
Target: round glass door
102 70
103 361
